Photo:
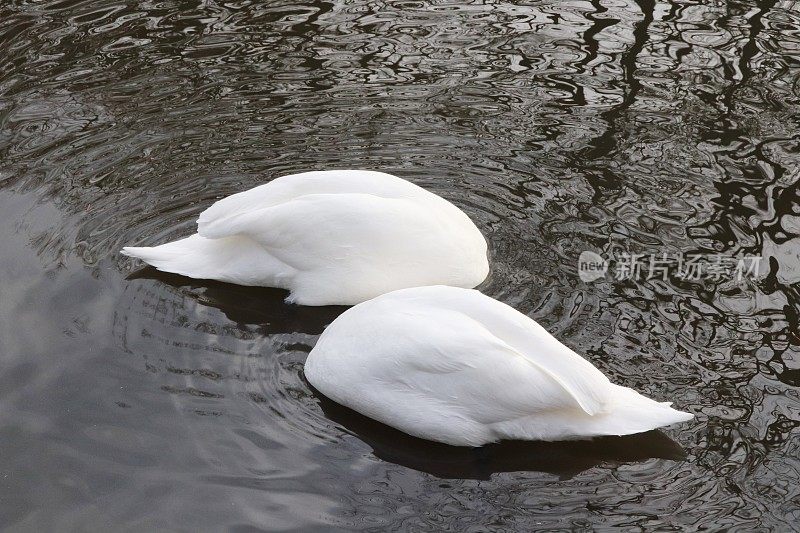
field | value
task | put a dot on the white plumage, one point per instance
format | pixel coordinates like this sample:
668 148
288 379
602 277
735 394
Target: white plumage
329 237
455 366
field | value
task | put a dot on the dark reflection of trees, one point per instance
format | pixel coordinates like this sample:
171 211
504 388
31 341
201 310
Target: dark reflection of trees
732 140
740 151
606 143
731 226
604 180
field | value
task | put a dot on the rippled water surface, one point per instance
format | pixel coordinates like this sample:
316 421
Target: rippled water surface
135 400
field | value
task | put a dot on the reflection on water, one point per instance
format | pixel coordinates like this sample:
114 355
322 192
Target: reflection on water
249 305
157 402
564 459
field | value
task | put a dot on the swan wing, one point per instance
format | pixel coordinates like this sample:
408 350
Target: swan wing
214 219
331 230
498 382
584 382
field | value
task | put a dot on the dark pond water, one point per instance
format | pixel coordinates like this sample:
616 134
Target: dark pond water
131 400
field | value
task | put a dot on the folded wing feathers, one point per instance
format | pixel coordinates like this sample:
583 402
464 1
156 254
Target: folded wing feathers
584 394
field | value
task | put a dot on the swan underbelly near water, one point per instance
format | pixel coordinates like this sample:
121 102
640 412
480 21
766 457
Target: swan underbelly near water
331 238
455 366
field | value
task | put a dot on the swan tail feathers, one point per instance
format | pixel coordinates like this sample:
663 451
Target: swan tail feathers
234 259
188 257
631 412
627 413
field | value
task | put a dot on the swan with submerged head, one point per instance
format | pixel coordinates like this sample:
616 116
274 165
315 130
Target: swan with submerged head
335 237
455 366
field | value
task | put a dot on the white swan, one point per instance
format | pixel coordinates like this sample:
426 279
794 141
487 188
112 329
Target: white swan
329 237
455 366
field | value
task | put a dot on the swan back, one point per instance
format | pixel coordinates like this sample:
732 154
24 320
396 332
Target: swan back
212 221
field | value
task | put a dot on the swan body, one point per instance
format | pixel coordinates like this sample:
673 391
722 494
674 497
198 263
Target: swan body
455 366
331 238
